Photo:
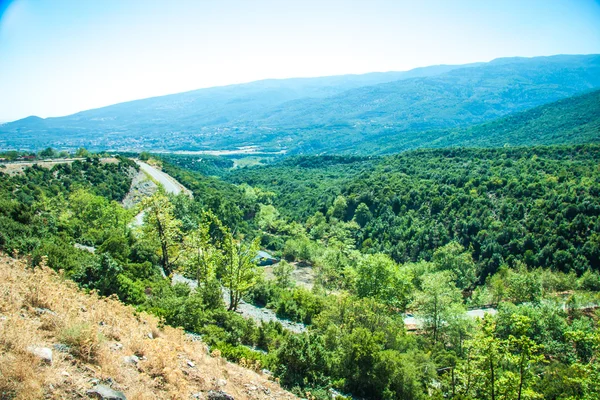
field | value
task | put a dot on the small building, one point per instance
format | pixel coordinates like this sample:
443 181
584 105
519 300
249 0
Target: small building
263 258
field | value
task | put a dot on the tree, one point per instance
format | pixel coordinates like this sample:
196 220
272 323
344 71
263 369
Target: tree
524 353
199 255
362 215
378 276
239 268
161 224
437 302
302 360
47 153
268 218
453 257
283 274
339 208
82 153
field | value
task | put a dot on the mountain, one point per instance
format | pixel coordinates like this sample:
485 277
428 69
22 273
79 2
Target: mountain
329 114
574 120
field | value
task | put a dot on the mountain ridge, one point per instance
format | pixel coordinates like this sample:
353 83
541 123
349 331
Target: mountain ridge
303 115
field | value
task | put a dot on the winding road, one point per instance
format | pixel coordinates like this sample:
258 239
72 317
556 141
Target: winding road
168 183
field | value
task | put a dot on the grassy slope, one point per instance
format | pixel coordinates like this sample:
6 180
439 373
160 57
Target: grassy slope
92 326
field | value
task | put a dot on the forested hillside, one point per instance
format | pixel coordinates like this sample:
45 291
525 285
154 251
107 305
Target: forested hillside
428 232
537 205
348 113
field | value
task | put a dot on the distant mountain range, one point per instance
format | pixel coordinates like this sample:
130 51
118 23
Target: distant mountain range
371 113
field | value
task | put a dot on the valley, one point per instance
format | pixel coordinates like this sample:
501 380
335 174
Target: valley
421 235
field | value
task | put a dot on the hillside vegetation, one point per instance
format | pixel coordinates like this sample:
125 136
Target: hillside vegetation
428 233
99 341
321 114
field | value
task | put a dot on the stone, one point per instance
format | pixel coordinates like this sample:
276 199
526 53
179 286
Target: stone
190 364
104 392
44 353
41 311
133 359
61 347
150 335
221 382
219 395
266 372
116 346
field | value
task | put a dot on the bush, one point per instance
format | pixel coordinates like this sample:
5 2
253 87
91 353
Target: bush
84 341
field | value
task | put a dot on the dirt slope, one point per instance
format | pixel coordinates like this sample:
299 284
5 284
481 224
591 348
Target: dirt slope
99 341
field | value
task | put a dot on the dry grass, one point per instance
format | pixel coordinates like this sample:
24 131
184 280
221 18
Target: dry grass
99 333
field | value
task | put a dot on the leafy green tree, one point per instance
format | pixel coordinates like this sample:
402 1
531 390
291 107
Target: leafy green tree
268 218
82 153
339 208
283 274
438 301
239 267
302 361
362 214
101 275
161 224
453 257
199 255
379 276
524 354
47 153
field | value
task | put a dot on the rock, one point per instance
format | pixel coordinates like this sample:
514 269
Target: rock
221 382
150 335
44 353
61 347
65 373
219 395
116 346
133 359
190 364
266 372
103 392
41 311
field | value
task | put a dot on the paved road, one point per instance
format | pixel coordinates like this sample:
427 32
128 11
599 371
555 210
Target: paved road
166 181
170 184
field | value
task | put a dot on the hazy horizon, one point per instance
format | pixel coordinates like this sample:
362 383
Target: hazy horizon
63 57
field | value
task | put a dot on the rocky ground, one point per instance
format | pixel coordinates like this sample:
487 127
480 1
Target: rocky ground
141 187
57 342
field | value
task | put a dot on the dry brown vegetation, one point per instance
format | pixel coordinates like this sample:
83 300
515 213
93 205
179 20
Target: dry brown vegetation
90 338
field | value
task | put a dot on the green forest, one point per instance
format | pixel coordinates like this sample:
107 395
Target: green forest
424 236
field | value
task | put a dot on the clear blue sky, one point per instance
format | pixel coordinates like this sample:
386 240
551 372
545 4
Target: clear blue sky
62 56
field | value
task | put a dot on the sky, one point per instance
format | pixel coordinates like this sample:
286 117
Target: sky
58 57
